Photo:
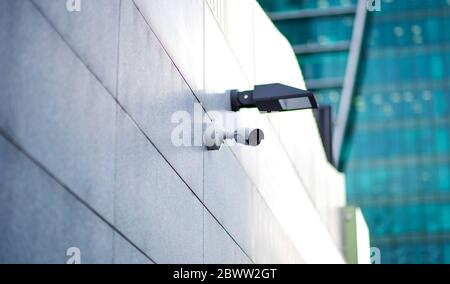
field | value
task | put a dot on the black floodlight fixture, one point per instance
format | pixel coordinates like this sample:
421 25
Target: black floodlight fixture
273 97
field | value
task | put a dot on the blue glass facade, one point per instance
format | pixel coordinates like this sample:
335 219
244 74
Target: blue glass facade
396 154
397 158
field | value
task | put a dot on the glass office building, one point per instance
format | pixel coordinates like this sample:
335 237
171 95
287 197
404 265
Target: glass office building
396 151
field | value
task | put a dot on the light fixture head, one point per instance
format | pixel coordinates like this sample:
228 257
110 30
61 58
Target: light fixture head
273 97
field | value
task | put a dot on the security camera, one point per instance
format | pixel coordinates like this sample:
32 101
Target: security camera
249 137
214 138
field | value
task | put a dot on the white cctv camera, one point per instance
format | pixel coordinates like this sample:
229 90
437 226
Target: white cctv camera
214 138
249 137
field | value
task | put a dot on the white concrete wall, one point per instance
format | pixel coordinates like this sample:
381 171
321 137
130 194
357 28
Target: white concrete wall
85 124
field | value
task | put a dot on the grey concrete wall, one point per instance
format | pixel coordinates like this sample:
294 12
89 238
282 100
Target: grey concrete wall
85 152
